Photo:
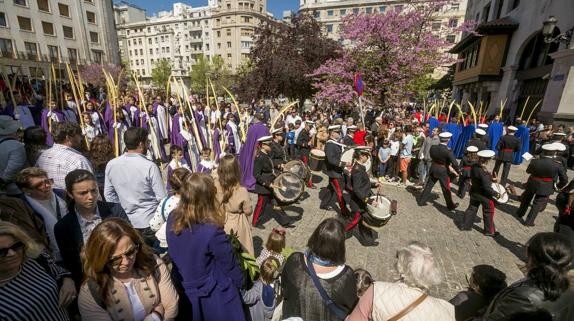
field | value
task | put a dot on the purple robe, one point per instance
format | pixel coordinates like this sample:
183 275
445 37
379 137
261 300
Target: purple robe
157 136
216 145
230 140
247 154
44 122
175 138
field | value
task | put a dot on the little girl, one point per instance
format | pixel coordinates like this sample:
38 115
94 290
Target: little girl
274 246
90 131
206 165
262 297
177 161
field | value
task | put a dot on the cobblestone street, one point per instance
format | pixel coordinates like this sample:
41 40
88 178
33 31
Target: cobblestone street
456 251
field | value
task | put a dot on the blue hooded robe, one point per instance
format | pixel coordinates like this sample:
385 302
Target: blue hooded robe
465 136
523 134
495 131
455 129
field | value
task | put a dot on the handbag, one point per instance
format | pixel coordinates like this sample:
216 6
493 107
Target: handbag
338 311
409 308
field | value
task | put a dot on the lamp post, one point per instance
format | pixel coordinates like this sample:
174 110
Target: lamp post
548 32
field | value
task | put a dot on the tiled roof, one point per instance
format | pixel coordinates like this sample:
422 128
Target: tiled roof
498 26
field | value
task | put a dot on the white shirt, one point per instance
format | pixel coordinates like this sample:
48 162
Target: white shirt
160 216
138 309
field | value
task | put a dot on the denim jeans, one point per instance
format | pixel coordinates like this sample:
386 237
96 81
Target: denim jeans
424 166
382 169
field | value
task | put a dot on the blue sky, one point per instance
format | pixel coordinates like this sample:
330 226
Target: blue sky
152 6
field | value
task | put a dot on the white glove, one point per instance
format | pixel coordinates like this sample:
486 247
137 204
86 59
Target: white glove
117 125
83 132
50 113
186 135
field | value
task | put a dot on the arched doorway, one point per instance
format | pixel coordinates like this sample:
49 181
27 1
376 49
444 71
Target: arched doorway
534 70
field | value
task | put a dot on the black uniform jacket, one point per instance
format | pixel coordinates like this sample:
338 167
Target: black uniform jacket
263 173
360 187
348 140
465 167
277 154
481 182
442 158
478 143
543 173
486 140
506 147
303 139
333 153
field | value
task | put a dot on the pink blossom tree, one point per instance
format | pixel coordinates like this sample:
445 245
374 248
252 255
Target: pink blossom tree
93 74
393 51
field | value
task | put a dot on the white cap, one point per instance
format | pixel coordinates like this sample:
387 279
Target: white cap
483 125
512 128
335 128
479 131
445 135
487 153
472 149
310 122
559 134
265 139
276 131
352 127
549 147
559 147
363 149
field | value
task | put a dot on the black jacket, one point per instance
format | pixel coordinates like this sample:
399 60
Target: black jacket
481 182
333 153
348 140
478 143
543 173
263 173
277 154
524 296
507 146
442 158
303 139
486 140
465 167
360 187
70 240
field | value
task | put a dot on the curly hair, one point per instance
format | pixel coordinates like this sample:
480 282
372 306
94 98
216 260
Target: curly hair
101 152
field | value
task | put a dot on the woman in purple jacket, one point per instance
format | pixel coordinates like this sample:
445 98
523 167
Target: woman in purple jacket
205 267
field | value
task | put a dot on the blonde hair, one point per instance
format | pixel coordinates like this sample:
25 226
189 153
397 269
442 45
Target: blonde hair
417 266
269 270
32 249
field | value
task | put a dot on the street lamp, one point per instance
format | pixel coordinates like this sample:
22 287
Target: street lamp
548 32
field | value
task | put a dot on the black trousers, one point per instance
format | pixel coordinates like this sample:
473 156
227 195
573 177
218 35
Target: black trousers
487 204
539 204
335 193
505 171
444 181
463 187
263 209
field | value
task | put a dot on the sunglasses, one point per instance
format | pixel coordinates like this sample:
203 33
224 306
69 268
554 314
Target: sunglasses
15 247
117 260
47 181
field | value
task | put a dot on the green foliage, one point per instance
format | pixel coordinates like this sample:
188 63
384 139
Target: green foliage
160 73
217 72
247 262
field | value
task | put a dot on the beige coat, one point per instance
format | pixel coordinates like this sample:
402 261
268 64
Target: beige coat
150 292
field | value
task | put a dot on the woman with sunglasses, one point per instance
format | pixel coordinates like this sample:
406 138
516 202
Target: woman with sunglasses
124 280
32 286
40 196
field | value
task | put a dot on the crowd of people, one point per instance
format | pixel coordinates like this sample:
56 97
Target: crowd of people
146 214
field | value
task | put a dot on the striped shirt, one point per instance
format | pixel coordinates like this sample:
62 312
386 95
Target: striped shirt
33 294
59 160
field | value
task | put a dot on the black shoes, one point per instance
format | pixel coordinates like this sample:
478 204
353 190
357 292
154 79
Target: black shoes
495 234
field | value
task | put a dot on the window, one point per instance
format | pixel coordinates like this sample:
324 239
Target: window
246 44
25 23
141 52
143 72
485 13
89 1
20 3
142 62
3 22
137 62
342 12
229 44
31 50
139 41
317 14
43 5
245 19
218 34
451 38
6 48
97 56
94 37
68 32
131 54
53 53
228 55
228 31
91 16
64 10
151 61
355 10
48 28
382 9
135 52
72 55
369 10
329 28
453 23
218 45
399 7
329 13
151 51
435 25
454 7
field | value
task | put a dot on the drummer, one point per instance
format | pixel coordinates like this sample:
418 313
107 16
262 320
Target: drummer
540 186
469 159
304 147
277 153
481 193
360 187
334 170
264 177
349 139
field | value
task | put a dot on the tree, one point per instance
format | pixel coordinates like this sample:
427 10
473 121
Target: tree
93 74
395 52
161 73
217 72
283 56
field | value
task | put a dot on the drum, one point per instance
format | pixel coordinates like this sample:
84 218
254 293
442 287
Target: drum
380 215
503 199
288 187
347 157
298 168
316 160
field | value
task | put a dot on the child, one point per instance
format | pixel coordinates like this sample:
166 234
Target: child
177 161
274 246
291 141
384 156
393 165
89 130
262 297
206 165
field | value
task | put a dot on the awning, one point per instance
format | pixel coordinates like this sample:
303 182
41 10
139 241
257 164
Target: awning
504 25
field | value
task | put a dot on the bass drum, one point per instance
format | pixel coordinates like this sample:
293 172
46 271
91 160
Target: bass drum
503 199
380 215
347 157
316 160
288 188
298 168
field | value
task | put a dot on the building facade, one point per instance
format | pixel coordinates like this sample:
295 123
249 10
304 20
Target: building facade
35 34
510 59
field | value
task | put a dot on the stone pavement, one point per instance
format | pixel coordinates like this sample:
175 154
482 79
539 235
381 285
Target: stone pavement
456 251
